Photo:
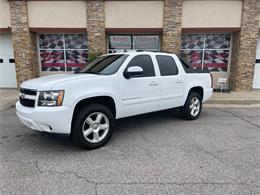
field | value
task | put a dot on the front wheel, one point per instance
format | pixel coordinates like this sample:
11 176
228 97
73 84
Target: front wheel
192 107
93 126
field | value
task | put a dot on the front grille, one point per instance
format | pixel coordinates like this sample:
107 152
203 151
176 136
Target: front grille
27 102
28 91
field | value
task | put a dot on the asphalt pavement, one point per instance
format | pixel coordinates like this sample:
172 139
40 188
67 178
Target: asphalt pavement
156 153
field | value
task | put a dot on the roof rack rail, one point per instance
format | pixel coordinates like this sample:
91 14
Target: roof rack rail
140 50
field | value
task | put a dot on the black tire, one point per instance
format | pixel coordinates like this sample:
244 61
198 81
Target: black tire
79 120
186 112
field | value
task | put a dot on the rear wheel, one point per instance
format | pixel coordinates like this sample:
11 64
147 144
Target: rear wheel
93 126
193 106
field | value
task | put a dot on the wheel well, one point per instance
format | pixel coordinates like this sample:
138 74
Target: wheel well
103 100
198 90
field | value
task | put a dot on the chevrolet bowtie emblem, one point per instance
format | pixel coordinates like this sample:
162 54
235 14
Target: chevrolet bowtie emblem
22 95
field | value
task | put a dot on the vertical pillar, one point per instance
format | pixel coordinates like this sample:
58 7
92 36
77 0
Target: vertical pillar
96 26
244 49
24 43
171 38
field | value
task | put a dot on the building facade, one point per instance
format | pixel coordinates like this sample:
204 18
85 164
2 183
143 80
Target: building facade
39 38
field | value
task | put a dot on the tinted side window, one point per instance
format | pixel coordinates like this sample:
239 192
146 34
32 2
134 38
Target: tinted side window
167 65
145 62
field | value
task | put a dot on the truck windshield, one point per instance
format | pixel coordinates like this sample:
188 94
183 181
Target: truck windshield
105 65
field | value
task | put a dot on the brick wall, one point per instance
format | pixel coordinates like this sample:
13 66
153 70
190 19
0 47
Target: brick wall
171 37
96 26
244 49
24 42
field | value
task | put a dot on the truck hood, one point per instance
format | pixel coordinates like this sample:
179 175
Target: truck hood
48 82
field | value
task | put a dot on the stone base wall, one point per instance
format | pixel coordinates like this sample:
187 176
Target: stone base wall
24 43
96 26
244 49
171 37
34 54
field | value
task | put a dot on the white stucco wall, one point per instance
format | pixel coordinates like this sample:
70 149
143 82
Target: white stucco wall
59 14
4 14
211 13
134 14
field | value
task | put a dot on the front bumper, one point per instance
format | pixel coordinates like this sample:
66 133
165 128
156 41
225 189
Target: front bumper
46 119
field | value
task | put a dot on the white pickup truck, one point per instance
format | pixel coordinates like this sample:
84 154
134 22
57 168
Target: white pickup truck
86 104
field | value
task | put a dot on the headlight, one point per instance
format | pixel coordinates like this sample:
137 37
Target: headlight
50 98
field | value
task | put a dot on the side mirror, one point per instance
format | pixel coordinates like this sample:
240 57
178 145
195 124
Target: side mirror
133 72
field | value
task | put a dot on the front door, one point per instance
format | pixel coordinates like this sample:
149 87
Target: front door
140 94
7 65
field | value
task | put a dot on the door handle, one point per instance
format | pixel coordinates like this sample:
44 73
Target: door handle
153 83
178 81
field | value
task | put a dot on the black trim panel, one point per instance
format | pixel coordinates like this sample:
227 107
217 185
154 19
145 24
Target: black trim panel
27 102
257 61
28 91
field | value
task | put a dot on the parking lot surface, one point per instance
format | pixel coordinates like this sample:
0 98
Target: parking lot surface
156 153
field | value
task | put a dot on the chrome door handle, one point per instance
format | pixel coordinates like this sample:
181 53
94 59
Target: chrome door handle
153 83
178 81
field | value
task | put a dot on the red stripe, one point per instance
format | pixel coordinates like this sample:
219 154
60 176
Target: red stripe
215 65
211 65
75 64
134 30
210 30
53 65
58 30
5 30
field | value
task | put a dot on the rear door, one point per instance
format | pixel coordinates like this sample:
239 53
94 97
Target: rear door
140 94
172 84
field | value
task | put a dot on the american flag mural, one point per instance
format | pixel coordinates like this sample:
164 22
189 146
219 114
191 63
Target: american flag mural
207 51
63 52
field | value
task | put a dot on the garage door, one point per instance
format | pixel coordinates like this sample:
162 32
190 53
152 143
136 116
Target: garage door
7 65
256 81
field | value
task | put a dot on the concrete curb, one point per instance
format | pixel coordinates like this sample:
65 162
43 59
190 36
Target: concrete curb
231 105
233 101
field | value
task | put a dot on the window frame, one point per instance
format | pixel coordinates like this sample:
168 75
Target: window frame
177 73
141 76
208 49
64 49
132 40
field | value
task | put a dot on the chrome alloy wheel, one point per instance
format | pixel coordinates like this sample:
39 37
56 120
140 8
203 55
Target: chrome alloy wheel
194 106
95 127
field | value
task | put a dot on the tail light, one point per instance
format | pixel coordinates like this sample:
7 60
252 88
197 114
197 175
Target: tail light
211 80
